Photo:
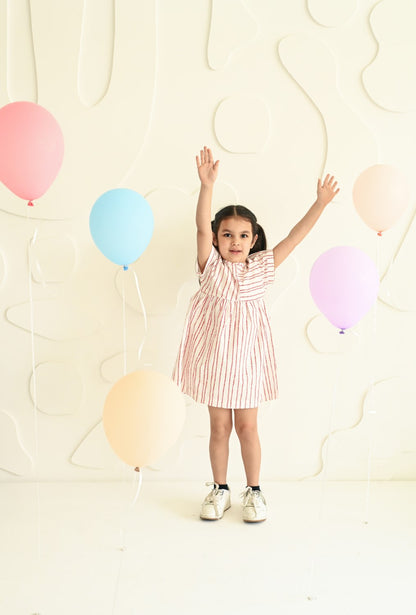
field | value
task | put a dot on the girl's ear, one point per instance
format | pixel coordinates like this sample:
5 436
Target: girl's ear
214 240
254 241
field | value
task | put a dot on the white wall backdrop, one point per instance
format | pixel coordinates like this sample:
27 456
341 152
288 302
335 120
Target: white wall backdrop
283 92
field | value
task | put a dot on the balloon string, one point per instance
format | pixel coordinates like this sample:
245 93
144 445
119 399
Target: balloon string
378 267
371 409
32 339
139 486
139 352
35 402
124 325
325 461
122 532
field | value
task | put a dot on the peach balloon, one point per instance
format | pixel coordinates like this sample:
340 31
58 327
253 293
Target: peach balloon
143 416
380 195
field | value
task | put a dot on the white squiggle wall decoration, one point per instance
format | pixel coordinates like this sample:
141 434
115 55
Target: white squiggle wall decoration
392 448
114 130
54 258
111 369
14 457
2 269
59 388
301 55
224 41
225 193
94 450
390 79
288 274
242 124
171 206
325 338
21 63
96 50
331 14
155 50
396 289
56 320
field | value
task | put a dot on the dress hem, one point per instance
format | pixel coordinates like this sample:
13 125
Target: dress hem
231 406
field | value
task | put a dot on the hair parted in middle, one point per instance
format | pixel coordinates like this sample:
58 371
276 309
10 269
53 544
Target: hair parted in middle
239 211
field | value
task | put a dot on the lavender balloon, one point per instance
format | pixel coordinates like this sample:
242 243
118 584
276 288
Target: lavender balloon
344 285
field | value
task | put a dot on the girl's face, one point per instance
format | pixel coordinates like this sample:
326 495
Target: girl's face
234 239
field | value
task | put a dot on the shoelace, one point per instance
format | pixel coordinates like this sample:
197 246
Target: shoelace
246 496
249 496
211 497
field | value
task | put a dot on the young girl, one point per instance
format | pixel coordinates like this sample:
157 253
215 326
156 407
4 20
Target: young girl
226 358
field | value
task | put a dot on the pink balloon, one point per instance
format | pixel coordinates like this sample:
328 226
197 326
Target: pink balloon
344 285
380 195
31 149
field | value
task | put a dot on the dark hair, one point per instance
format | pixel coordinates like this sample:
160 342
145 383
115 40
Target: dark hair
239 211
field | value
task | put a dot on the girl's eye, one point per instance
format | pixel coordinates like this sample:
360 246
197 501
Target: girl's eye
227 234
244 236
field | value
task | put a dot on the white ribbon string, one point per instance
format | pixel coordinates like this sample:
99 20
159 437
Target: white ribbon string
32 339
35 401
325 462
371 403
123 291
138 471
139 352
136 488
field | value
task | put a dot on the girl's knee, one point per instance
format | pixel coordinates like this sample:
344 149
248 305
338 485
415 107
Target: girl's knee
221 423
221 431
246 431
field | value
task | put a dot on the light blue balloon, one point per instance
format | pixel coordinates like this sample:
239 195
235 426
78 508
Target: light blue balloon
121 225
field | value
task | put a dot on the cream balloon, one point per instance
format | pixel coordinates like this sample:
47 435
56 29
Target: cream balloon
143 416
380 195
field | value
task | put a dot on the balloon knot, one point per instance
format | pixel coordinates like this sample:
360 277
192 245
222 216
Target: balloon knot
30 204
137 469
125 267
342 332
379 233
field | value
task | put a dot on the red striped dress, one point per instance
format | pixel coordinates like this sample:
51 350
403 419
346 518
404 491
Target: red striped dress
226 357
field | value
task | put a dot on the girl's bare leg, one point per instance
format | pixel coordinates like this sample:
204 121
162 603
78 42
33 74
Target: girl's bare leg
246 427
221 421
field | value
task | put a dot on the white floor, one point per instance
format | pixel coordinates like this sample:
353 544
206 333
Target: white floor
173 562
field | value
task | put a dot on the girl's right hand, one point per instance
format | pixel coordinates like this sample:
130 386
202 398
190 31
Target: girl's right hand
207 169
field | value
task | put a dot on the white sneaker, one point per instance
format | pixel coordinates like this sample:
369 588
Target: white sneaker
216 503
254 505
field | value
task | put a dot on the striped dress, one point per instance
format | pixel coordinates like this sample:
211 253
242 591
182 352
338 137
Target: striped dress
226 357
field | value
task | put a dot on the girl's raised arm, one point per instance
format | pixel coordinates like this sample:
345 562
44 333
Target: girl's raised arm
207 171
326 191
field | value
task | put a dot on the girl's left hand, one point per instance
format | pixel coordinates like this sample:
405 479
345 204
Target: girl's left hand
327 190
